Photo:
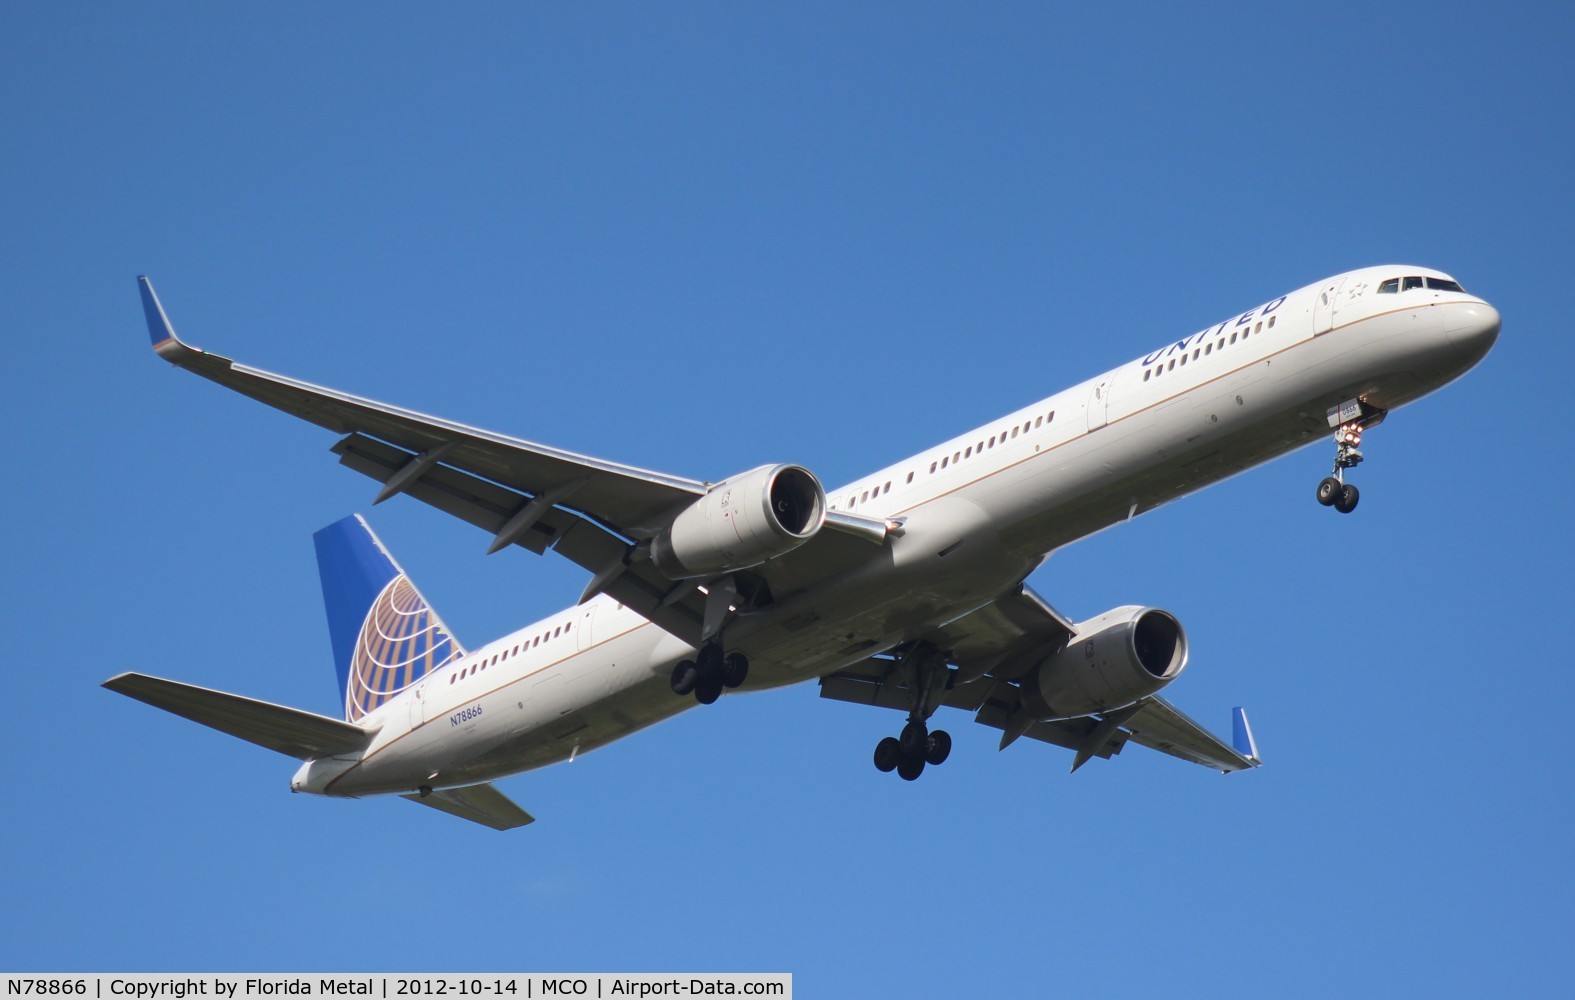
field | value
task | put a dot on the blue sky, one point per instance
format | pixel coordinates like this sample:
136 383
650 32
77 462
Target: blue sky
698 238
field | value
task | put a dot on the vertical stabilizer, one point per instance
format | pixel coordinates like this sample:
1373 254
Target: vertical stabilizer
385 635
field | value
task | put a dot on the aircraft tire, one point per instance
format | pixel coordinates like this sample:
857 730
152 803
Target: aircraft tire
888 754
1348 499
708 691
940 747
909 768
735 668
1329 491
685 675
915 740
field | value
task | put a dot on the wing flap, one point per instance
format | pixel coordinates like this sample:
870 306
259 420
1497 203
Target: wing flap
582 541
290 731
635 500
1161 726
477 803
1069 733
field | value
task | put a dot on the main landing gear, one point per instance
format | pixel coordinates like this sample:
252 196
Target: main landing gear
712 669
1350 420
709 672
927 677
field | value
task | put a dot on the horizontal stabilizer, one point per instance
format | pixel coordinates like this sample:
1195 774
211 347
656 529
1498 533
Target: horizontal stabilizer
289 731
478 803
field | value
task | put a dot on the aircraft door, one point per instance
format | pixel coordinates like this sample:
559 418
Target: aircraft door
582 628
1326 305
418 705
1099 404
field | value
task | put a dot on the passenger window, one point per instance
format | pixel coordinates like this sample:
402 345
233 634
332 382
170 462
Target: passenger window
932 467
864 497
1039 421
1146 374
1014 432
1233 338
1050 417
1271 321
1410 283
944 460
1208 350
1258 328
968 452
887 487
1183 359
910 477
1221 345
1172 366
1389 287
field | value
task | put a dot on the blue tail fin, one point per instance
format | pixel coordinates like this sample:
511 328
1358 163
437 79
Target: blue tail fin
385 635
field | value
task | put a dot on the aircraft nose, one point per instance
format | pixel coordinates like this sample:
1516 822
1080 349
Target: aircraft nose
1475 325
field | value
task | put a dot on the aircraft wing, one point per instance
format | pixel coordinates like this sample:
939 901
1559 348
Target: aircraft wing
478 803
993 648
591 511
290 731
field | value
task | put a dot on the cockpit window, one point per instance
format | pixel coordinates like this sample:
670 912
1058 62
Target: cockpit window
1388 287
1412 281
1444 285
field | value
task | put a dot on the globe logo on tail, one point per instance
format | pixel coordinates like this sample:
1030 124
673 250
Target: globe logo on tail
401 641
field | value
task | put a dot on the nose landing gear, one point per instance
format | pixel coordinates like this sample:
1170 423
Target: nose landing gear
1349 419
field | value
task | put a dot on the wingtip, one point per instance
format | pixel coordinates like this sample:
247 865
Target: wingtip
1241 736
160 331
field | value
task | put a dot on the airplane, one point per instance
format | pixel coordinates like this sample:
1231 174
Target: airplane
903 589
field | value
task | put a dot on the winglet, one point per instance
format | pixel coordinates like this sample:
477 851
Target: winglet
1241 735
160 331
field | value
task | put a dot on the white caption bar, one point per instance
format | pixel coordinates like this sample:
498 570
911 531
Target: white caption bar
404 986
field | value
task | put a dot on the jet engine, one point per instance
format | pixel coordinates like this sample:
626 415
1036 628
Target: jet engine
745 521
1115 659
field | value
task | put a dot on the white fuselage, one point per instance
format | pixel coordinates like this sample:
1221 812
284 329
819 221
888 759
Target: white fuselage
979 511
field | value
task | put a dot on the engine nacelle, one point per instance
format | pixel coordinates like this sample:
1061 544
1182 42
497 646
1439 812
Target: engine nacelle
1116 658
742 522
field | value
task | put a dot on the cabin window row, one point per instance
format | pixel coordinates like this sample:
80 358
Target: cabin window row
500 657
945 461
1207 349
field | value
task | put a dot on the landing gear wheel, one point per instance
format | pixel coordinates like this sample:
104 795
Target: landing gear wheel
888 754
910 768
1329 491
940 747
915 741
735 667
708 691
686 674
1348 498
710 659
